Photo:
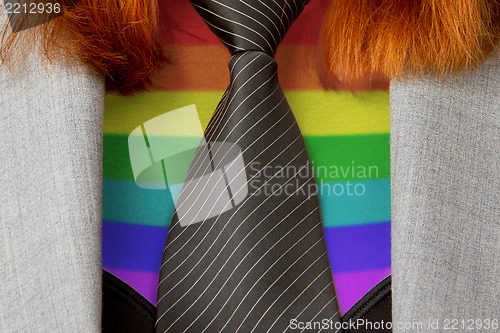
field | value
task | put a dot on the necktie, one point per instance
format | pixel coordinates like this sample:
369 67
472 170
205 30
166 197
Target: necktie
245 250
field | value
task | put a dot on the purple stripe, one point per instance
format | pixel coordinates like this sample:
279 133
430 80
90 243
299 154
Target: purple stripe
351 287
359 248
144 283
359 256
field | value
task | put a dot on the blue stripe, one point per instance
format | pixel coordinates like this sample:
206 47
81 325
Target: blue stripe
133 247
359 248
137 247
355 202
126 202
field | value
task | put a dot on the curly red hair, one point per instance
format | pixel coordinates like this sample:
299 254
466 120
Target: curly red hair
117 38
415 37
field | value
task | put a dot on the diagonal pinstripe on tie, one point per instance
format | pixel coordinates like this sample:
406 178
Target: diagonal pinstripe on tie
261 261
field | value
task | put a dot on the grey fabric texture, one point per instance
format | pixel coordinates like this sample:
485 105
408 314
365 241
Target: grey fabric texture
445 164
50 197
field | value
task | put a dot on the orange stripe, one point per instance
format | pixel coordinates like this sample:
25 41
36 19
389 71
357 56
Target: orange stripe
195 68
205 68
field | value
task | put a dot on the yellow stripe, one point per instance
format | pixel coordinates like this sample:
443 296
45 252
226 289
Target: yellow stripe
317 112
340 112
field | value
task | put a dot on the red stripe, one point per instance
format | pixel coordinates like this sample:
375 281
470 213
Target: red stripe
183 26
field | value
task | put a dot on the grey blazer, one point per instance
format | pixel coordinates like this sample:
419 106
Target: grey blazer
445 152
50 197
445 168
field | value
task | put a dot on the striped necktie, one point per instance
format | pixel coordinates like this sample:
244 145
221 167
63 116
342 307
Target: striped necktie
245 251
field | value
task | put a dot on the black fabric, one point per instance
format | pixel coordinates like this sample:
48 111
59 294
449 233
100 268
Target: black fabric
375 307
124 310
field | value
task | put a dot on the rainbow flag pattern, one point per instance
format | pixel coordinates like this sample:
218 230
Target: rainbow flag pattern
346 134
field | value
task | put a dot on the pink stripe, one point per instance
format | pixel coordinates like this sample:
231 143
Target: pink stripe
352 286
145 283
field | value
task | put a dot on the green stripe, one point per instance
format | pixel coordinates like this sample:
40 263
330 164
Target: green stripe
334 158
349 157
317 112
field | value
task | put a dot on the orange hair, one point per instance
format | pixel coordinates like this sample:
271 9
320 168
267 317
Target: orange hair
400 37
118 38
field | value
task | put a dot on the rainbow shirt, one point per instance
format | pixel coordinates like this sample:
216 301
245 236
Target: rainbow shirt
346 135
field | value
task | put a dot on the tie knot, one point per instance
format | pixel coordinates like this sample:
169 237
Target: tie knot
244 25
